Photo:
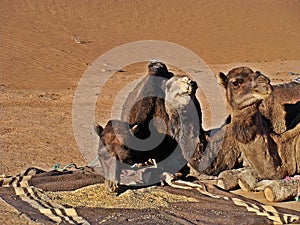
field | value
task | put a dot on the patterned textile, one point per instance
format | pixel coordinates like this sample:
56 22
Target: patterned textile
27 193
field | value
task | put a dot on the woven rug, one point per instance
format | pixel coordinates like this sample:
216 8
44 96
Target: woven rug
78 196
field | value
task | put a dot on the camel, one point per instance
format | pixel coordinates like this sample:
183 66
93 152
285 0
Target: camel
119 152
148 95
246 145
144 109
178 143
282 106
272 155
142 106
185 116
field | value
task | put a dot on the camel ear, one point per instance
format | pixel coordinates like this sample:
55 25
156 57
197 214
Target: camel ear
98 128
222 79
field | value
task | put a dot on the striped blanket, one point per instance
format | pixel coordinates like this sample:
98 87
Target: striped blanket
28 193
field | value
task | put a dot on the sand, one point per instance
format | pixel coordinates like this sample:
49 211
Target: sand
41 63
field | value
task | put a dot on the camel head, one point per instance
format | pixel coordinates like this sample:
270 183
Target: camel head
180 90
244 87
159 69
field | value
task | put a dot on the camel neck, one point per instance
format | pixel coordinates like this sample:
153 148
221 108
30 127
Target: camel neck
246 123
247 112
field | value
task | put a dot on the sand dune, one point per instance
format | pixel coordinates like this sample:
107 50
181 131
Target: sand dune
41 63
38 48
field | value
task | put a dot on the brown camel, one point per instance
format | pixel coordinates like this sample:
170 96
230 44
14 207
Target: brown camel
272 155
148 95
139 121
119 138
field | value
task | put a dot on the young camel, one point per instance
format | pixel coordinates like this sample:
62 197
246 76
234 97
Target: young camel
141 107
148 95
178 143
271 155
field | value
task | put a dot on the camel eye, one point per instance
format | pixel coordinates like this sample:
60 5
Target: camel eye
237 82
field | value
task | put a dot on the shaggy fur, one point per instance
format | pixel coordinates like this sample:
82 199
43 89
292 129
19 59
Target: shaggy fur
143 105
222 153
146 101
273 156
282 108
185 116
116 134
183 113
114 152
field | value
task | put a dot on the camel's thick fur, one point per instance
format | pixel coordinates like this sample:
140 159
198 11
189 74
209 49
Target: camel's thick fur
272 155
248 139
282 107
180 133
146 101
185 116
143 104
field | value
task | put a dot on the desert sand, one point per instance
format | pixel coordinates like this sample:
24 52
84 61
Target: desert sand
41 62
